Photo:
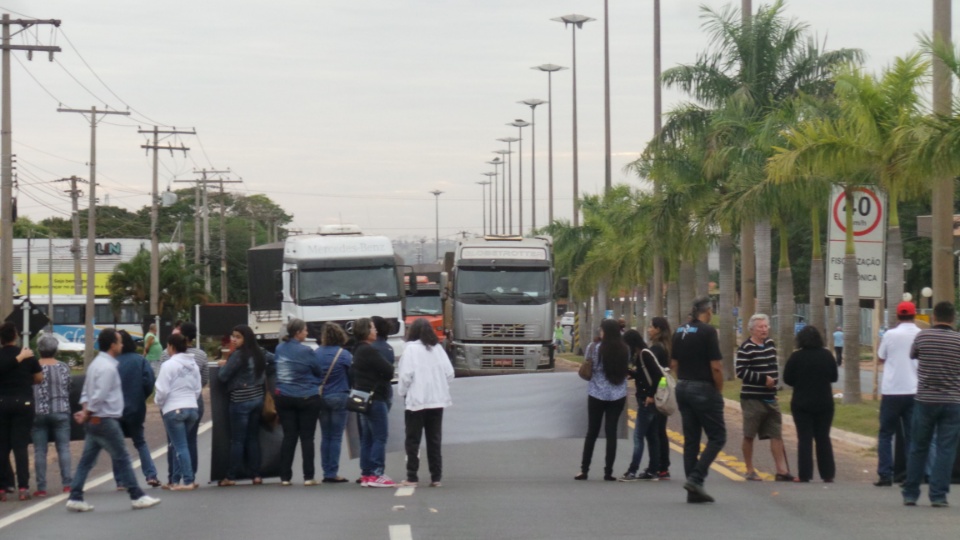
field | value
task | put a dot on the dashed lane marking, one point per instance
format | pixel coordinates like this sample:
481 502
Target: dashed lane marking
401 532
404 491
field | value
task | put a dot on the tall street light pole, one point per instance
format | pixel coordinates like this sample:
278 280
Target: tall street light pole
943 191
436 193
656 292
549 69
484 185
608 183
508 223
519 123
575 21
503 189
532 103
494 214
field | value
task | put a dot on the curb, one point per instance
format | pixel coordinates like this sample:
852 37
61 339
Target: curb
848 437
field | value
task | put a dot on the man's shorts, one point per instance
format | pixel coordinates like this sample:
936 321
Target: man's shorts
761 418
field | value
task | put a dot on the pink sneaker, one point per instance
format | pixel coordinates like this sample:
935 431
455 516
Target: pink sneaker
365 480
382 481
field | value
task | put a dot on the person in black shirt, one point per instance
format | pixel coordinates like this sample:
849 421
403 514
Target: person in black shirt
370 372
19 371
696 359
810 371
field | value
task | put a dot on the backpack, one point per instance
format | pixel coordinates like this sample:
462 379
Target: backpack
665 398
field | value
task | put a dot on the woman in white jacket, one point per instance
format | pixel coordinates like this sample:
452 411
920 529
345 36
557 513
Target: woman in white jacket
176 392
424 383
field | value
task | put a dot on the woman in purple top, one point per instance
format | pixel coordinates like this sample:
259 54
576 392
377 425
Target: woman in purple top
606 395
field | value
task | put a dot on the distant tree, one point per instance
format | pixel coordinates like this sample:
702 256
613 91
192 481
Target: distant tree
180 285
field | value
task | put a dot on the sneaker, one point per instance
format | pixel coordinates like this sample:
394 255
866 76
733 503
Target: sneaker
39 493
145 501
410 483
628 477
66 489
939 504
337 480
663 475
647 475
382 481
909 502
697 491
286 483
79 506
310 482
365 480
24 494
438 484
884 481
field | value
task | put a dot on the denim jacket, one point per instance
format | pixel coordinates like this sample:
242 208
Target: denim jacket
237 375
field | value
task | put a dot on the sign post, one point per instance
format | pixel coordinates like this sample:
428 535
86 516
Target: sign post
869 237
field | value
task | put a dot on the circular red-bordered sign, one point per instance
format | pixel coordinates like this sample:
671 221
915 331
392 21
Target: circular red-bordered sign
840 220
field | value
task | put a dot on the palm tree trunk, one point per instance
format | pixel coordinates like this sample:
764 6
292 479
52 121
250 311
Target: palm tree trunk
748 271
764 274
703 275
785 302
688 276
656 288
894 291
727 299
673 303
817 279
601 300
851 313
641 307
943 191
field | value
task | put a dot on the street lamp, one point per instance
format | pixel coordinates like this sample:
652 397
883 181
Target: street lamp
520 123
436 193
503 190
494 215
549 69
575 21
608 183
509 194
532 103
484 185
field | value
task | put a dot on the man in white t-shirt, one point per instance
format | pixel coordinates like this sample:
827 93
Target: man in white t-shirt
898 388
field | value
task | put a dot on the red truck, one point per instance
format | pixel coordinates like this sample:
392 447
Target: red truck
425 302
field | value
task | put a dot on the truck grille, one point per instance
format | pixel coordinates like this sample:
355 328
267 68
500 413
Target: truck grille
500 357
499 330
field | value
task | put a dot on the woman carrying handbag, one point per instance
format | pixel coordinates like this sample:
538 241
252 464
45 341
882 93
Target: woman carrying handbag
371 373
335 361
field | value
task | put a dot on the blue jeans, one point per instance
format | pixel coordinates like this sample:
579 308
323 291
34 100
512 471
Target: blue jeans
191 445
894 410
333 420
927 418
133 427
59 425
701 409
373 439
178 423
646 428
104 434
245 437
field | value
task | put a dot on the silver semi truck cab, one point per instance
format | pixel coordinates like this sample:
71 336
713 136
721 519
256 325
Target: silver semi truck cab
501 304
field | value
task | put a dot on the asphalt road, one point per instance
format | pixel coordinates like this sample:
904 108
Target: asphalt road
506 490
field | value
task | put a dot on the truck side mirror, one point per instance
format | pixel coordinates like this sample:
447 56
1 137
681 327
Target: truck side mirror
443 285
563 287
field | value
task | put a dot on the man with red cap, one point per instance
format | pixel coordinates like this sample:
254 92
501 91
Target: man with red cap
898 388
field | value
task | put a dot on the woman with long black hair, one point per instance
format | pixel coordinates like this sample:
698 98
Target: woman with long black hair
606 396
245 373
646 376
659 335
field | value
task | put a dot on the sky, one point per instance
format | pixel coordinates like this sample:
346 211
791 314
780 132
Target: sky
352 111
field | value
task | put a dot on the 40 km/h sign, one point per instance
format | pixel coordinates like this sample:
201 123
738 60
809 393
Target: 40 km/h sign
869 237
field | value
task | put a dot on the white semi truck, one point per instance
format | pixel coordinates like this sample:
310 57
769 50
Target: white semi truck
339 276
500 305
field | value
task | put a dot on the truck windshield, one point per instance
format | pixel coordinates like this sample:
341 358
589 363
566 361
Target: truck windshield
508 286
424 304
357 285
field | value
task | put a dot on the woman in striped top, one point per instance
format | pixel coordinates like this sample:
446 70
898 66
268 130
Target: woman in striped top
245 373
52 405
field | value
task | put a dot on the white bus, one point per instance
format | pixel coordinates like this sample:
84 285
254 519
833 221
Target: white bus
69 316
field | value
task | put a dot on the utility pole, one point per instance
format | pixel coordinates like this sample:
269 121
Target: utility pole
75 195
223 237
202 204
6 151
91 227
155 211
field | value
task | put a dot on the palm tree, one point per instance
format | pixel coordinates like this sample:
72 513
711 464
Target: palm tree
759 63
180 287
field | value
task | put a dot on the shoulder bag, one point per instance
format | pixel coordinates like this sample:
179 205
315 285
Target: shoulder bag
359 401
665 398
330 369
586 369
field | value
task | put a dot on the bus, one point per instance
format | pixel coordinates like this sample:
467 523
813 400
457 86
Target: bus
69 316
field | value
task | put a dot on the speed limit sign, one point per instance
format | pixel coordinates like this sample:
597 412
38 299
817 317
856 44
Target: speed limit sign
869 234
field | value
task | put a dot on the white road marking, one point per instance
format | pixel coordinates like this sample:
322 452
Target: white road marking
401 532
54 501
405 491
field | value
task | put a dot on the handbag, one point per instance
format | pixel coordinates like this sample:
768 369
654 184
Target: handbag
359 401
269 417
327 376
665 399
586 369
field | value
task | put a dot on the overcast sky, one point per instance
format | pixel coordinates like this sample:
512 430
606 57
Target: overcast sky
355 110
